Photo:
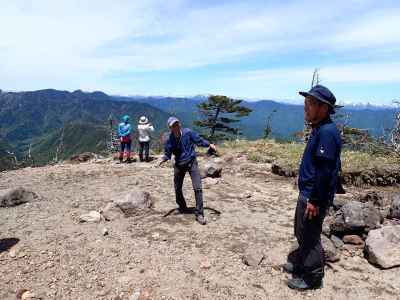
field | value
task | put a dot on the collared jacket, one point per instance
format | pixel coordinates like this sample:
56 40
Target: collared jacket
320 164
124 130
144 132
183 147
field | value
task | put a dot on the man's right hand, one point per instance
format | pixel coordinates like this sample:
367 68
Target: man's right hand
311 211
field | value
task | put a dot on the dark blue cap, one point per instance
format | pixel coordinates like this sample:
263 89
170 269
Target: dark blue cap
323 94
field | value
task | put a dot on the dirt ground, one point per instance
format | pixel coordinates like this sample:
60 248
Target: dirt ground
159 257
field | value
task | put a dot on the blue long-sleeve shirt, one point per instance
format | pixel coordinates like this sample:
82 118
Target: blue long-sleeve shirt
183 147
124 129
320 164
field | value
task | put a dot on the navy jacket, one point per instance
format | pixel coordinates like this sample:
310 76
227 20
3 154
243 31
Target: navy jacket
184 147
321 164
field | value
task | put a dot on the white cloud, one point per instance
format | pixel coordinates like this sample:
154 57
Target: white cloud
78 44
352 73
381 28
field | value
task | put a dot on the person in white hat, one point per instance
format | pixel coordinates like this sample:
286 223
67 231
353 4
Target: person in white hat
145 129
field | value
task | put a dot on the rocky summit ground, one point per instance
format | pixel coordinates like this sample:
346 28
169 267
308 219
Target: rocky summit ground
149 256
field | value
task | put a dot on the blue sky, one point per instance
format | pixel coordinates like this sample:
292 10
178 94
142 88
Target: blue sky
246 49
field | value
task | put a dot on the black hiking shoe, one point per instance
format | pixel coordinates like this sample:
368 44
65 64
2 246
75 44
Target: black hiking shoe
288 268
291 269
298 283
201 220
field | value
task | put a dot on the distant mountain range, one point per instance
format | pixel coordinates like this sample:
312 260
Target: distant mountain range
38 119
287 119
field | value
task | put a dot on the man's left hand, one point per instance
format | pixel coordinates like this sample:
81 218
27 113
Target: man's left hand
212 146
311 211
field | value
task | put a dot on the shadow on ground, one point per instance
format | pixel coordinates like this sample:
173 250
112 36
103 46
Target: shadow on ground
8 243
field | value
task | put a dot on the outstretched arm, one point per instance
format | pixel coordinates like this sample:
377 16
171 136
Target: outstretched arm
198 140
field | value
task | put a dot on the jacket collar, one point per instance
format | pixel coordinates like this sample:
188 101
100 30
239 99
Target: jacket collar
327 120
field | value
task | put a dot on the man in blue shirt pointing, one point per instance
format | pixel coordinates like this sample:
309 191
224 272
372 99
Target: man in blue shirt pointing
317 185
181 143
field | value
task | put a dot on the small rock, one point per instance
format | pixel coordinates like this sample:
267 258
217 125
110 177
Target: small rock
246 195
382 246
25 295
135 295
211 169
13 252
155 235
353 240
16 196
211 181
394 211
139 294
91 217
104 231
205 264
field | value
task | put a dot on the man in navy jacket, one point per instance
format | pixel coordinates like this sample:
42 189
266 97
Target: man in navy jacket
317 185
182 143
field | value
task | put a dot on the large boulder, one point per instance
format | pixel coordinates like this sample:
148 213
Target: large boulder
355 217
211 169
134 202
394 211
16 196
382 246
338 202
283 170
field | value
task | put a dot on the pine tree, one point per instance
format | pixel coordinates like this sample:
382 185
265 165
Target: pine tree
220 113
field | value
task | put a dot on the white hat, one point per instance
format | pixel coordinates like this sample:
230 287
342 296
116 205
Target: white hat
171 121
143 120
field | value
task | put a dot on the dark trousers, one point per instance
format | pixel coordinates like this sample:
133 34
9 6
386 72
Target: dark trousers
144 147
179 176
308 259
125 147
